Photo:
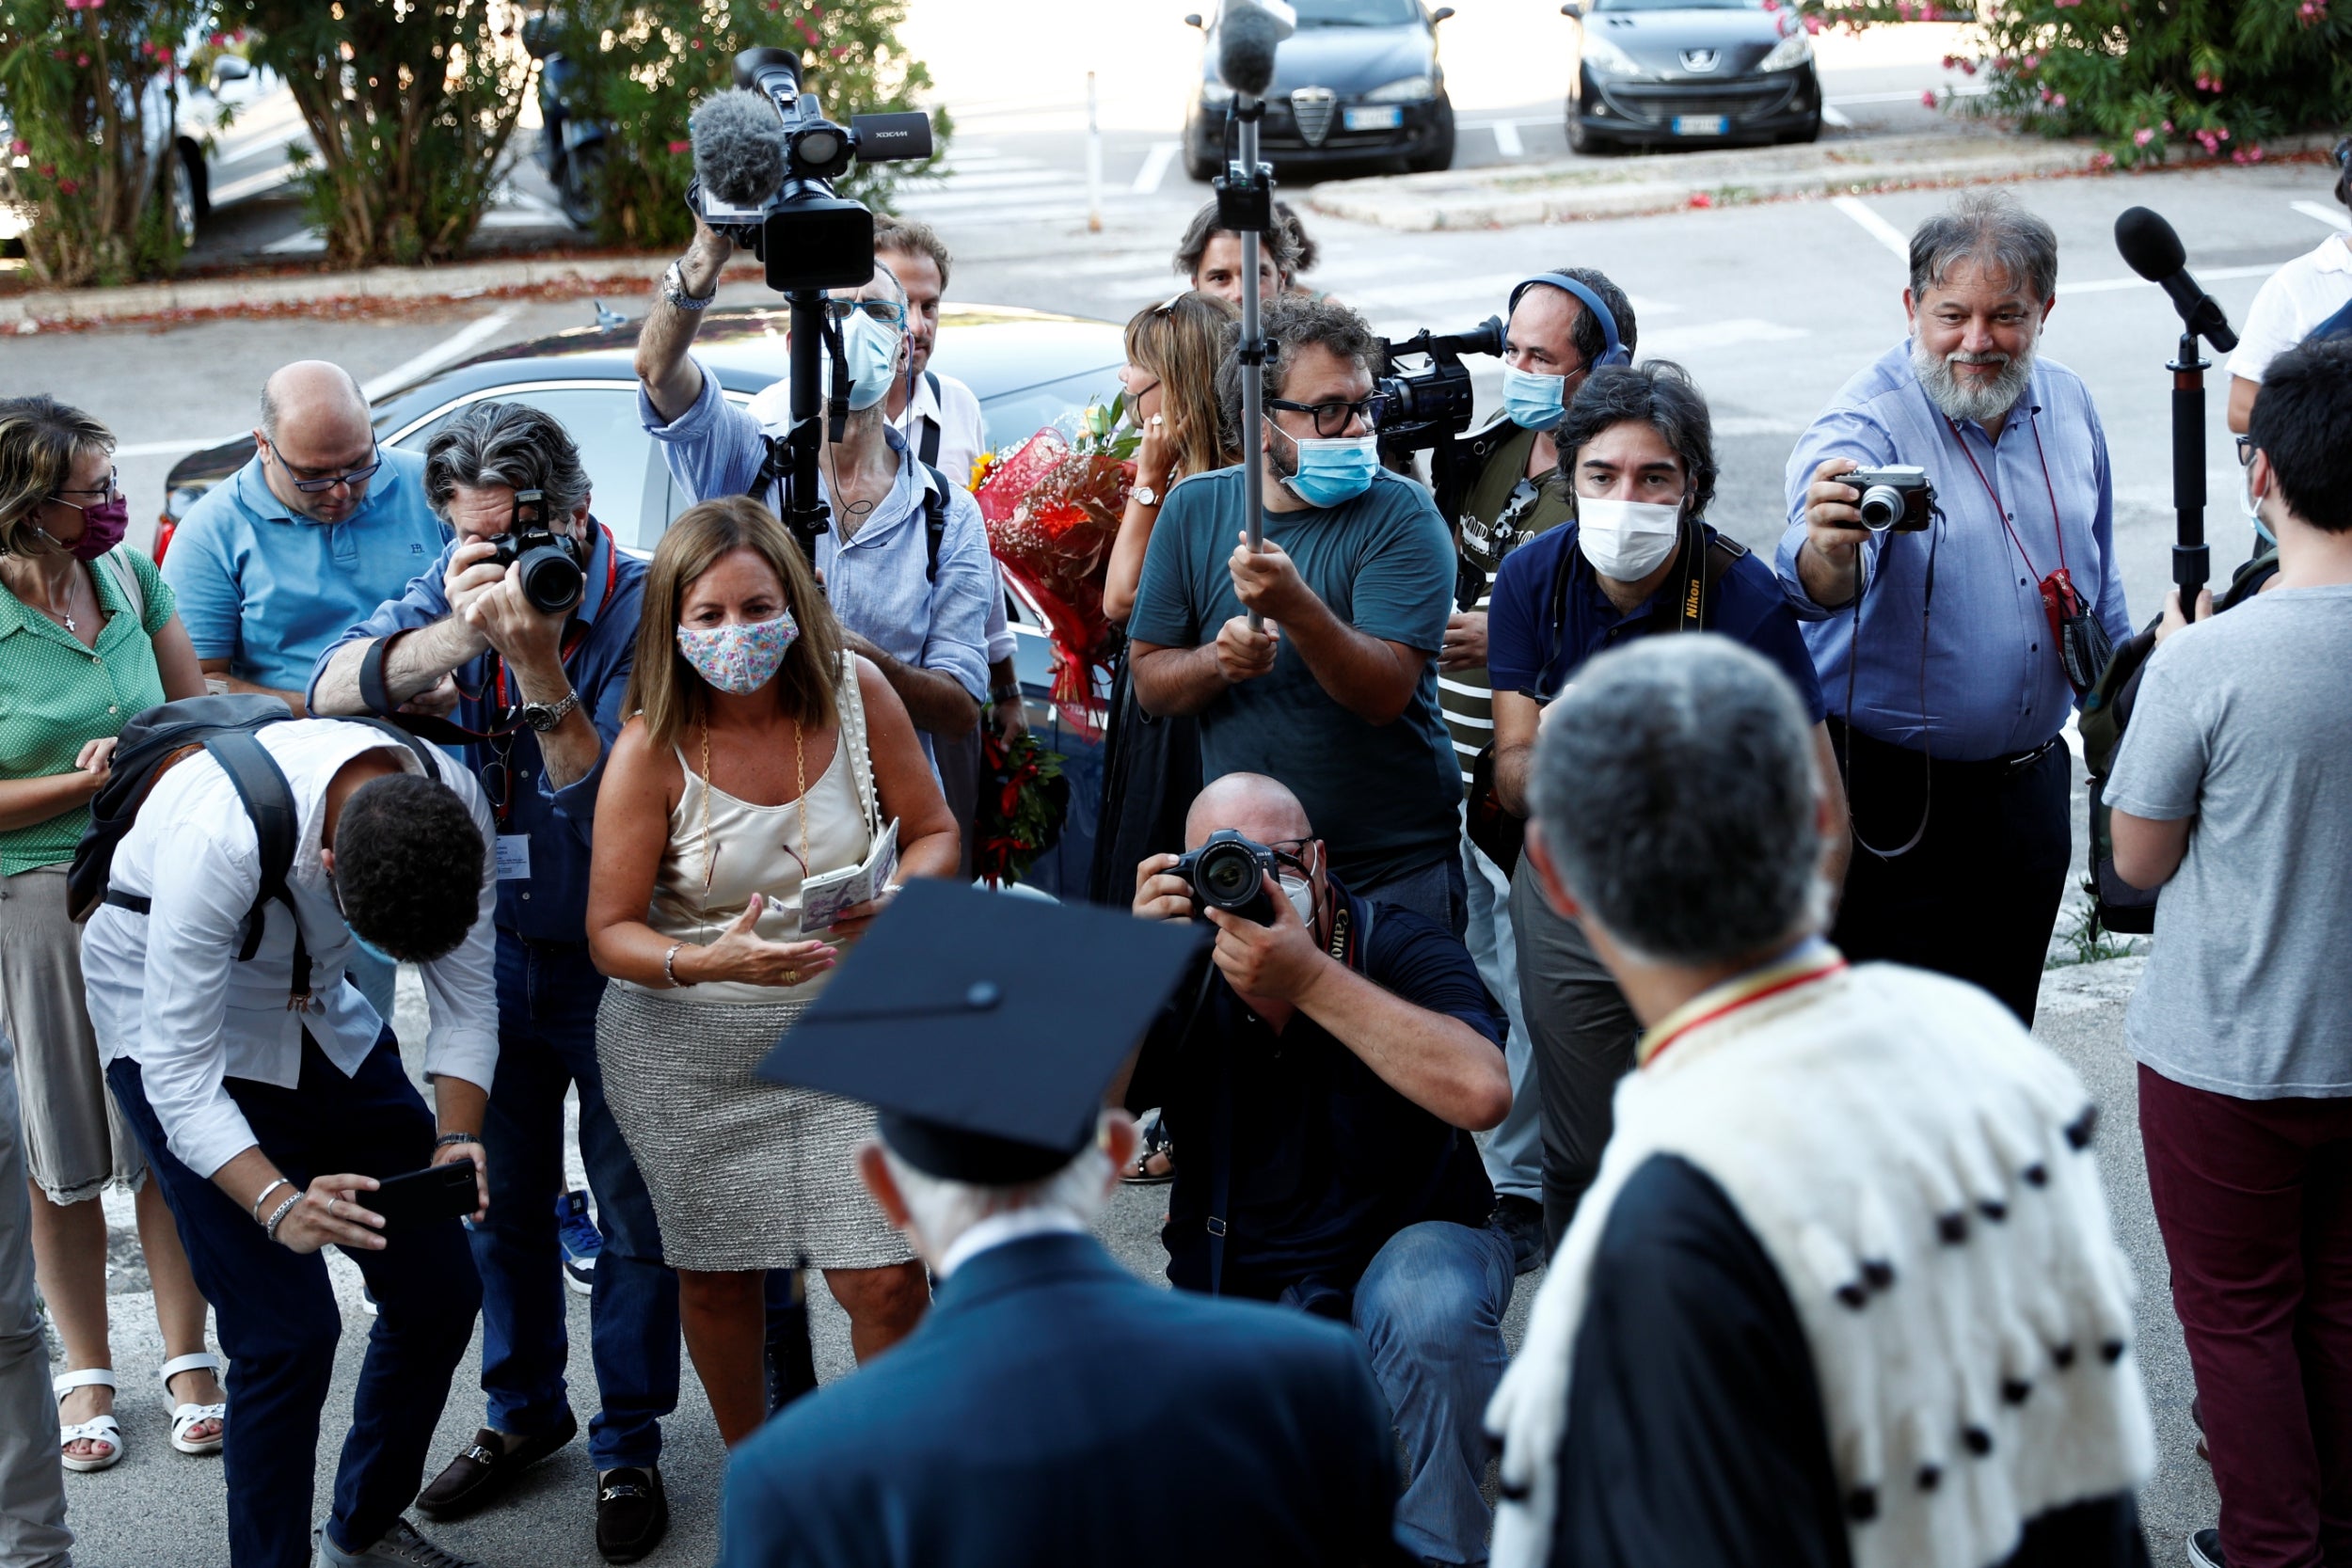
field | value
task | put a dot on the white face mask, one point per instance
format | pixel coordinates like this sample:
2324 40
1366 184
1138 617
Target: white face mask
1301 892
1626 540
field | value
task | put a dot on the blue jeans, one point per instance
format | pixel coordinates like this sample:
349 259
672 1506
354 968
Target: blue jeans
547 996
1430 1310
276 1313
1436 890
1514 1151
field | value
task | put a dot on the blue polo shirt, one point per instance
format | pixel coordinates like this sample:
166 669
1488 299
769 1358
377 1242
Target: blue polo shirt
1526 654
550 903
269 590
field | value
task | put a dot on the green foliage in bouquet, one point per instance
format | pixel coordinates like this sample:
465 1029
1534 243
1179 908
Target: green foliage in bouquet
644 64
88 91
2148 77
411 104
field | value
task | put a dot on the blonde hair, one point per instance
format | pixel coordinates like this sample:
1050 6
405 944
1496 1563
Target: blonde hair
1182 343
668 690
40 439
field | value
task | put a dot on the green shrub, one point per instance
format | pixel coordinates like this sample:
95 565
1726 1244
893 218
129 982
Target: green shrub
90 91
644 64
409 104
2149 77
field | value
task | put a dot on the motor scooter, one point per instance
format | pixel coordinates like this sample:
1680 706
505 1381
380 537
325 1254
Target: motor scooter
571 148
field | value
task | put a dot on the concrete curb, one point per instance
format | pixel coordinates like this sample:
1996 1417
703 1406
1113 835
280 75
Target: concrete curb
459 280
1565 189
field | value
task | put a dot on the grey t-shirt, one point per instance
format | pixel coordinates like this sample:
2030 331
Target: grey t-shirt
2245 723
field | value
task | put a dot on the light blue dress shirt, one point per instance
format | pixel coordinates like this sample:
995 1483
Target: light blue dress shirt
1974 674
878 583
269 590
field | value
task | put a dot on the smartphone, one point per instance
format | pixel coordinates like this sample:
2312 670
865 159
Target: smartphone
416 1197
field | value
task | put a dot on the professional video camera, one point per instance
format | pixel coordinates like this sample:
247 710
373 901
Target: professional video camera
546 566
1429 409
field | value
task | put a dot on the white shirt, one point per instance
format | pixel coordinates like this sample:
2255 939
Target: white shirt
166 989
1009 1226
961 439
2294 300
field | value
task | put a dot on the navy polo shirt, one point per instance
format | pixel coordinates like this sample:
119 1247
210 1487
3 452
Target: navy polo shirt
550 903
1526 654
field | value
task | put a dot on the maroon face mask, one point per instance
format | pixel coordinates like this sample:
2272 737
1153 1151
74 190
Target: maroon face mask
103 527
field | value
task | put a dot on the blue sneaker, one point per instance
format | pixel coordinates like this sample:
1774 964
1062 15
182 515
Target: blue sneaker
581 1240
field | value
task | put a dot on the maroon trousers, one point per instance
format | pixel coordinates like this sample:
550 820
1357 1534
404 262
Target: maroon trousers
2254 1197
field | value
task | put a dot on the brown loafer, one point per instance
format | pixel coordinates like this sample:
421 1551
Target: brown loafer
478 1475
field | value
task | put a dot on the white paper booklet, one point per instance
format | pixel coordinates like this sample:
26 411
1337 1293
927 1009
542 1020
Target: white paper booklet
823 898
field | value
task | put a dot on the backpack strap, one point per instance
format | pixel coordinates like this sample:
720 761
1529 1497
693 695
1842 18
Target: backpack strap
929 447
268 800
934 520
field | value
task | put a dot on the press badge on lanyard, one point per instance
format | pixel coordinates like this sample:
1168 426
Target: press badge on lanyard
2083 645
513 857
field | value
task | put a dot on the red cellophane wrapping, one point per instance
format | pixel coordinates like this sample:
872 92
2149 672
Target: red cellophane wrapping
1052 516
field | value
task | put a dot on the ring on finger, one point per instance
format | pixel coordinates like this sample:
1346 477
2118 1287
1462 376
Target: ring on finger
330 1205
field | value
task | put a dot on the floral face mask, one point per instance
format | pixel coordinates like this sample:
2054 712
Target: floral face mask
738 658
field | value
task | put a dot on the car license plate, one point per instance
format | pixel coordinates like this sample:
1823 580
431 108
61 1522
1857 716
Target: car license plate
1384 118
1702 125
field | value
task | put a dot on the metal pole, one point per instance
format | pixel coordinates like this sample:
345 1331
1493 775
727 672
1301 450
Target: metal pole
1253 361
2191 555
1094 164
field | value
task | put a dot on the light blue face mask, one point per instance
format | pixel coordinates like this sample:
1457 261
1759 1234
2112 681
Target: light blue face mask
1334 469
1534 401
870 349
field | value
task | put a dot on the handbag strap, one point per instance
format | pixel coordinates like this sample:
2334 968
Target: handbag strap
852 704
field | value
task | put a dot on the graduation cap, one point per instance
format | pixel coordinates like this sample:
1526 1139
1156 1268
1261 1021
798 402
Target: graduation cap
984 1028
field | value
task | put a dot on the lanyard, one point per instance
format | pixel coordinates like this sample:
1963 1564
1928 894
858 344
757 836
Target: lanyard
579 629
500 735
1732 995
2056 527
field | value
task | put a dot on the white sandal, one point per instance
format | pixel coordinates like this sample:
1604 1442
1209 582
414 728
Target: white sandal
185 1415
97 1429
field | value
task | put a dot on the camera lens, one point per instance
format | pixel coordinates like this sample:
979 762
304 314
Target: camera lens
1229 875
1881 507
551 579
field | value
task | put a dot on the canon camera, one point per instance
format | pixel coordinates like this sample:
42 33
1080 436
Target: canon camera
538 558
1229 873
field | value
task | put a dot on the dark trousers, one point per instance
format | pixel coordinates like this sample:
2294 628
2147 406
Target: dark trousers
2254 1198
959 759
1978 897
547 996
1583 1036
276 1313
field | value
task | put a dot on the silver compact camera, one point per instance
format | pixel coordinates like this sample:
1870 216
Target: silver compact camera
1896 498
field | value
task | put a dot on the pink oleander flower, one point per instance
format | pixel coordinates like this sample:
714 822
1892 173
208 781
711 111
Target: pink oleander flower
1967 68
681 147
67 187
19 146
2033 62
2168 127
2103 160
2143 136
2058 101
1927 101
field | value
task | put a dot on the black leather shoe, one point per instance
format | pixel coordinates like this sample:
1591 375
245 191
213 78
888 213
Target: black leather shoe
477 1475
1519 1221
632 1513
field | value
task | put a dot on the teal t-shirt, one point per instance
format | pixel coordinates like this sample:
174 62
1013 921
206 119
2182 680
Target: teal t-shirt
1385 796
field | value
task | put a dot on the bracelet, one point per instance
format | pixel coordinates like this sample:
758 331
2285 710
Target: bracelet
669 959
448 1138
281 1181
269 1227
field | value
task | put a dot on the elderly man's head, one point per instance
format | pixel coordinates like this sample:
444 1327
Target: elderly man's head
1676 805
933 1210
316 441
1983 276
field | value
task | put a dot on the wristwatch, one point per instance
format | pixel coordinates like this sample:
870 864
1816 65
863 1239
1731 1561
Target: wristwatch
1145 494
544 717
674 290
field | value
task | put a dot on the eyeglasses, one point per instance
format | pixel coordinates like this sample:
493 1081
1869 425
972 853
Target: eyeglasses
313 484
104 492
1333 419
2245 450
888 311
1292 852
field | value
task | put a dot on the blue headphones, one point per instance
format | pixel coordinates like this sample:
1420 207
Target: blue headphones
1614 353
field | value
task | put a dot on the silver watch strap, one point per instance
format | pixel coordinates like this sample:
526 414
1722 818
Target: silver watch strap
674 290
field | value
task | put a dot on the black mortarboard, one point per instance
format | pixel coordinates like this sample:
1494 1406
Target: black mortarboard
984 1027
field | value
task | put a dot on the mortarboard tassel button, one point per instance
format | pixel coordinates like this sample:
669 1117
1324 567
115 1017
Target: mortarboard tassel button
1861 1504
1979 1441
1952 1228
2063 1355
1928 1475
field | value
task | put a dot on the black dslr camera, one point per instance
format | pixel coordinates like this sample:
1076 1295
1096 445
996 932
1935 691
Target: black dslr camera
537 558
1225 874
1896 498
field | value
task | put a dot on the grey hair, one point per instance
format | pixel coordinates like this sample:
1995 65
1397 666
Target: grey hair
1676 791
1290 323
1994 229
505 443
940 1210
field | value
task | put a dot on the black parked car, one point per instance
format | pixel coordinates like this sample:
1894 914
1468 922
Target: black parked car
1027 369
1358 82
1655 72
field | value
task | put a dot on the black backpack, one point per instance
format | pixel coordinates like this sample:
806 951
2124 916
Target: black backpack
224 726
779 463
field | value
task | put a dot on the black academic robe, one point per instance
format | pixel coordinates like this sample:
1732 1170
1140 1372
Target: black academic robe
1695 1436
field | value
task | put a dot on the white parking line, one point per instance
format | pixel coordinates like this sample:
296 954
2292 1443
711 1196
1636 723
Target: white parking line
1876 227
1832 114
2329 215
1154 167
2108 285
441 353
1507 140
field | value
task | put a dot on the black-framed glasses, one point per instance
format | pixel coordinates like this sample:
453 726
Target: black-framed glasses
1292 852
2245 450
313 484
888 311
1333 419
105 492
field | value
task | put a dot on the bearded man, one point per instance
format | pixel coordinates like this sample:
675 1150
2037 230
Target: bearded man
1950 654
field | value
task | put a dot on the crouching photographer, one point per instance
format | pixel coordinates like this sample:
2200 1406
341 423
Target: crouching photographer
1330 1067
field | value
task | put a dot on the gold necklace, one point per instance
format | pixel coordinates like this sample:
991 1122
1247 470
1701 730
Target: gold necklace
800 772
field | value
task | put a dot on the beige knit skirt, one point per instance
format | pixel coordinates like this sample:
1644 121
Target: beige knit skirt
744 1174
75 1139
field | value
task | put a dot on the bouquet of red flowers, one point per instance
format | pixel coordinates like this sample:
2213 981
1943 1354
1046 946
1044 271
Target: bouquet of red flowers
1053 505
1024 799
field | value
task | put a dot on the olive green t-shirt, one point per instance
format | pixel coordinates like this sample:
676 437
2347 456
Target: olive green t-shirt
1463 695
57 696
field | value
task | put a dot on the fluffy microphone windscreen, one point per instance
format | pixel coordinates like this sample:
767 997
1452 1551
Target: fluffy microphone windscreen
2149 246
739 147
1246 33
